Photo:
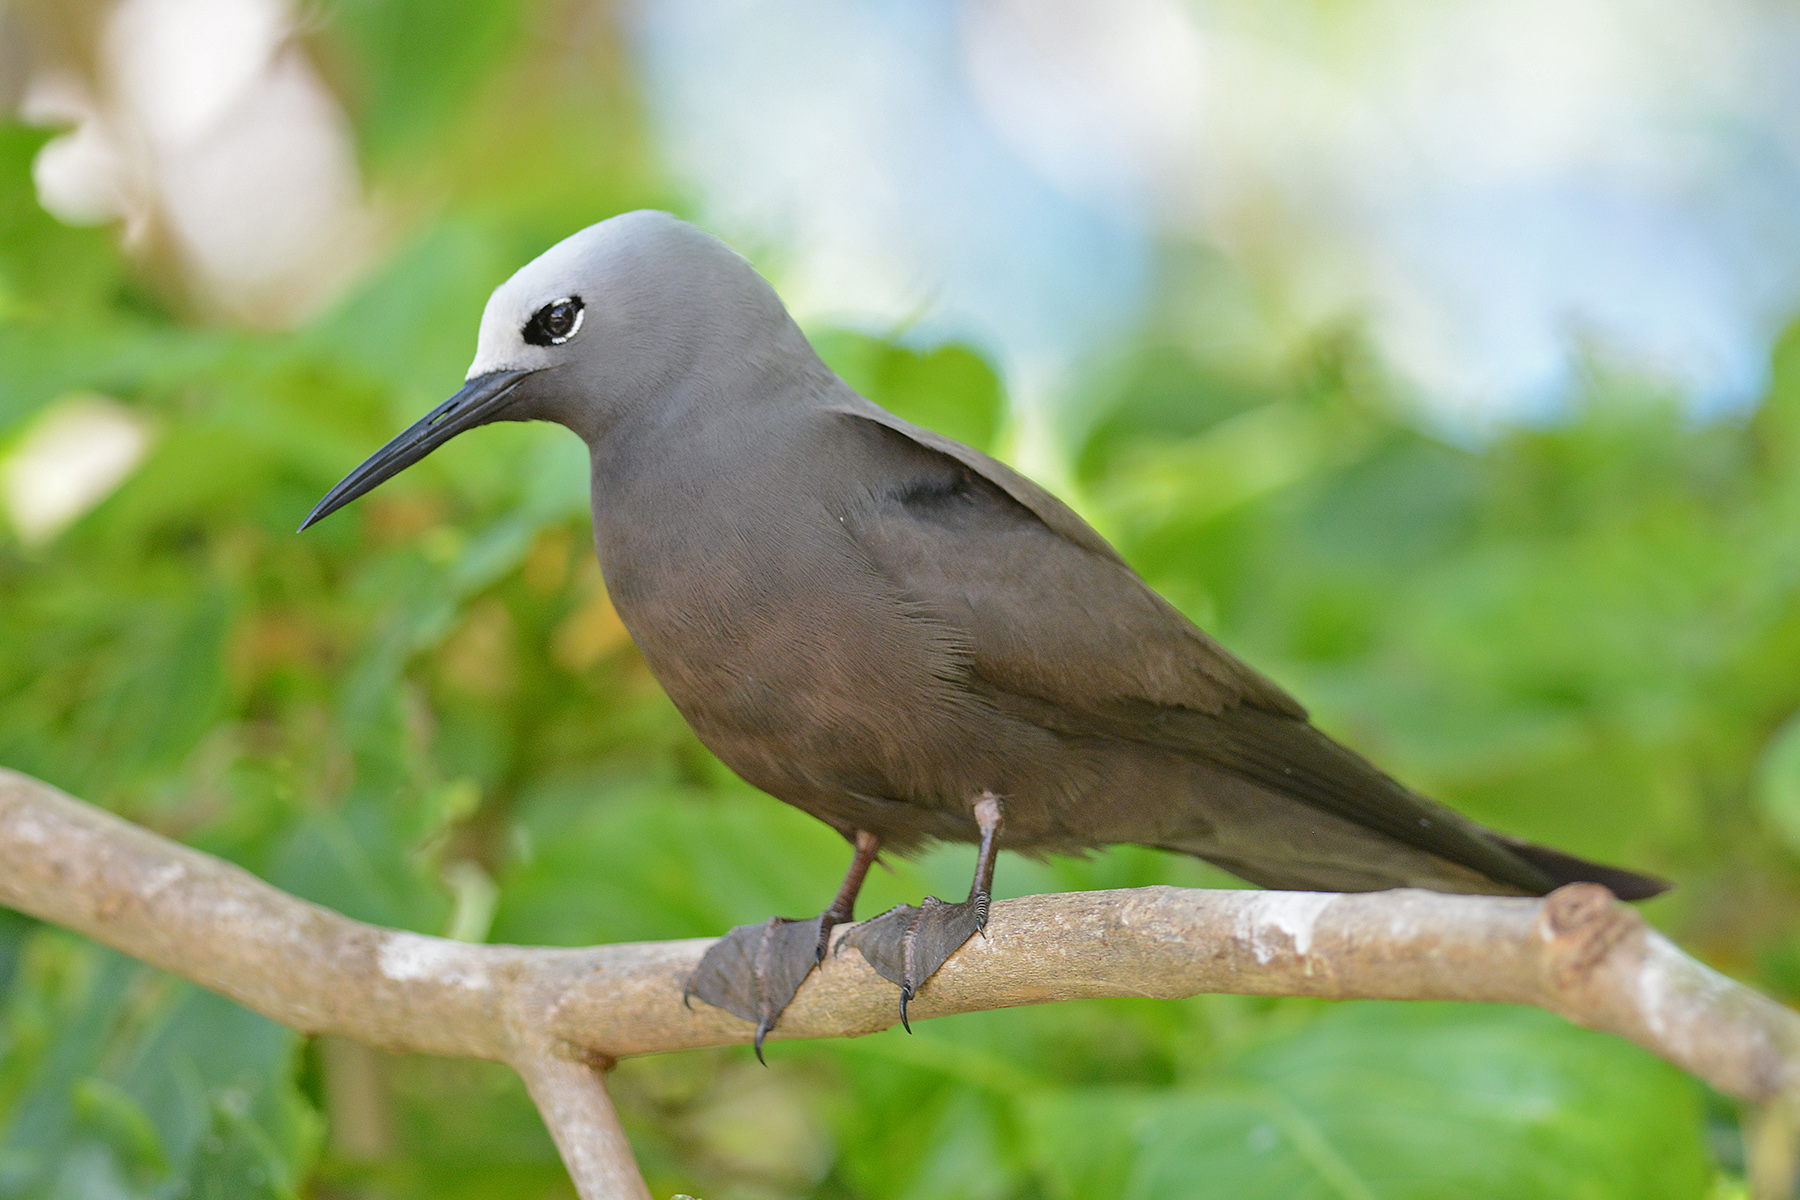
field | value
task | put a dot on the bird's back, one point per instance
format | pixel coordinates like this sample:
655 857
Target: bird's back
876 624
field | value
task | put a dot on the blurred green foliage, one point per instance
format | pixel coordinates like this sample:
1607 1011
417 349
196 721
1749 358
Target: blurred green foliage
424 713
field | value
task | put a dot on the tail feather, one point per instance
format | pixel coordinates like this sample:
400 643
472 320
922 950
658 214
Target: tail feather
1293 759
1566 868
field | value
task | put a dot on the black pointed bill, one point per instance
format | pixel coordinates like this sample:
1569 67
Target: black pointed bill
474 403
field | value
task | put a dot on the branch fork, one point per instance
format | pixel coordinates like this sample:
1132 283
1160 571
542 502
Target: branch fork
561 1017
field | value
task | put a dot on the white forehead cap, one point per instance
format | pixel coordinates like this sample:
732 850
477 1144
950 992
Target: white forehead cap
574 266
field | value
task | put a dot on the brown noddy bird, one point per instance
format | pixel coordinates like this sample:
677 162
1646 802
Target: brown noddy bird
902 636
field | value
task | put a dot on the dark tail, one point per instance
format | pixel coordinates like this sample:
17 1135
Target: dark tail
1294 760
1566 868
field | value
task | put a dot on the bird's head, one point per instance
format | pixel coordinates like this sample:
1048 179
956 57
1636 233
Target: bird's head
628 317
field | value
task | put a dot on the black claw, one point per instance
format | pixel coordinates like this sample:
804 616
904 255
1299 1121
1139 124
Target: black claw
755 971
907 945
880 941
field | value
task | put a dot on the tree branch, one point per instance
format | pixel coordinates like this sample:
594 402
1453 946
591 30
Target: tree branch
558 1016
572 1097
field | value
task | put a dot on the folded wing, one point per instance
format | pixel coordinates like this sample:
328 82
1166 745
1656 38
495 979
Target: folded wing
1061 631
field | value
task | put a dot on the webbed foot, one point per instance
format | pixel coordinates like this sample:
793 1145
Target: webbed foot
754 970
907 945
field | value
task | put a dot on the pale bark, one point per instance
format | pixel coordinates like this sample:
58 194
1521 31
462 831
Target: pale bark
559 1016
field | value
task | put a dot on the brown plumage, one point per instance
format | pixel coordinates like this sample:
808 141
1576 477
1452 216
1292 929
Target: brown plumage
883 627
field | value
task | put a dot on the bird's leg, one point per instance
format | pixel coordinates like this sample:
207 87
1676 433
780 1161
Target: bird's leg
843 908
755 970
907 945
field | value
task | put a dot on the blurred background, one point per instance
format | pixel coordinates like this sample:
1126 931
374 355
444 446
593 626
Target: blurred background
1437 355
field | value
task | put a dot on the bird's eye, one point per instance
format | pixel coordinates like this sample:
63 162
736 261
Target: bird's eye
555 323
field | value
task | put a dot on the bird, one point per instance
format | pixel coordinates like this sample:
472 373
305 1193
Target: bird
901 635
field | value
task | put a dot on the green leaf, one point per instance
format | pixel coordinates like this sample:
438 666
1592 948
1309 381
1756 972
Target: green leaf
124 1082
1778 783
949 389
419 64
113 1115
13 929
1393 1102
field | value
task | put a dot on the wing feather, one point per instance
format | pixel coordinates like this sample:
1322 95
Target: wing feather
1063 631
1050 607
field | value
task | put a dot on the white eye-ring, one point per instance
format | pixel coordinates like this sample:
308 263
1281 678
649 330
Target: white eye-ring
556 322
